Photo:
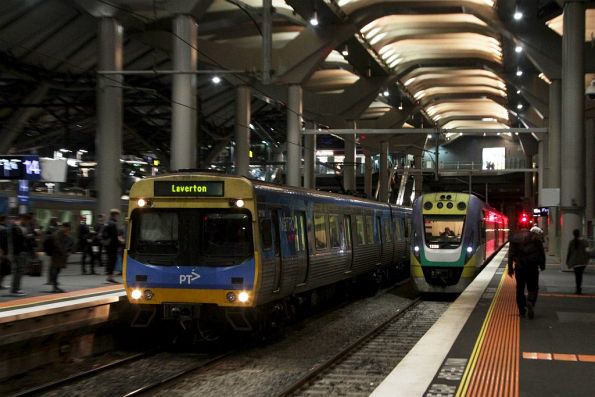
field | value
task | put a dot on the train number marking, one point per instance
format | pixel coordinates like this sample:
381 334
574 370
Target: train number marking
188 278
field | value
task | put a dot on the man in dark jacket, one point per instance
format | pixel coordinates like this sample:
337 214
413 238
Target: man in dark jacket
13 246
62 247
527 255
112 242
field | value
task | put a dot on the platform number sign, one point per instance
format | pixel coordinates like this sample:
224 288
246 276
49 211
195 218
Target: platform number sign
20 168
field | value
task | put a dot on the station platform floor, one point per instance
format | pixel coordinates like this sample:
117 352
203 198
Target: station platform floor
70 280
482 347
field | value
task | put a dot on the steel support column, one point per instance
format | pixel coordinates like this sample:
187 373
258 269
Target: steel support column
183 107
590 177
383 175
310 159
242 131
294 145
108 140
368 175
349 163
572 170
553 164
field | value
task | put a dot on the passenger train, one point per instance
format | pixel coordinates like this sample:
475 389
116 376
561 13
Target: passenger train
453 235
208 249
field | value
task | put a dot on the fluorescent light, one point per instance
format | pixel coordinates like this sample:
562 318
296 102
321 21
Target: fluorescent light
518 91
386 93
314 19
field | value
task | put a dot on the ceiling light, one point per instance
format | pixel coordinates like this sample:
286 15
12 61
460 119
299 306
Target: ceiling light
518 49
518 91
519 106
401 105
519 72
386 93
314 19
518 15
216 79
345 52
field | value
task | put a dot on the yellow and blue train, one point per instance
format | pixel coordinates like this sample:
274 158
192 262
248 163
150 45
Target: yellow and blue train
219 249
453 235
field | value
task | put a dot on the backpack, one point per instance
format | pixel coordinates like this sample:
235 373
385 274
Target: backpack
48 244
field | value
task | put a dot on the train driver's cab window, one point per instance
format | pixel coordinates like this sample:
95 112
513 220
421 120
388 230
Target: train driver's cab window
334 231
443 231
319 232
157 232
360 230
227 234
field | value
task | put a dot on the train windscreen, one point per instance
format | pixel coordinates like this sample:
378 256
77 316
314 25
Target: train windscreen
191 237
443 231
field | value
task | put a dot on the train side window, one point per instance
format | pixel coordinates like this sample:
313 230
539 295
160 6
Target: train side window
320 231
266 237
334 231
388 232
360 233
300 232
369 230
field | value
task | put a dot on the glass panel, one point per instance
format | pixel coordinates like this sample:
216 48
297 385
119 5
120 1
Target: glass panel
369 230
227 234
443 231
158 232
334 231
346 221
320 231
360 234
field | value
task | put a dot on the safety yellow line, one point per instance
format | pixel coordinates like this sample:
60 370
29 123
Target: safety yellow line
464 385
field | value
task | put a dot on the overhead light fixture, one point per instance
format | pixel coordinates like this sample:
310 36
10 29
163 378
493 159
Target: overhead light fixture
518 91
518 15
314 19
518 49
401 105
345 51
216 79
519 106
519 72
386 93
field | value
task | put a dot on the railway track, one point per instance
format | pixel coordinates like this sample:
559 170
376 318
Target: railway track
361 366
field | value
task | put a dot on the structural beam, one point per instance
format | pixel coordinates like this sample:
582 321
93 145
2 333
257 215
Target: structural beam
294 146
242 131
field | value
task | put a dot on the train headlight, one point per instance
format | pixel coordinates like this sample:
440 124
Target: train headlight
136 294
230 296
243 297
416 249
141 202
148 294
239 203
469 249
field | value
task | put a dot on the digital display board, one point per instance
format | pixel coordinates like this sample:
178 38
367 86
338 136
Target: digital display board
188 189
541 211
20 167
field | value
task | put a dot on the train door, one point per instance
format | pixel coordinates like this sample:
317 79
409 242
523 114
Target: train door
348 243
381 239
301 247
278 261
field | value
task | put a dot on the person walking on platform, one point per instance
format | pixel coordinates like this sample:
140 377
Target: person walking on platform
97 246
84 245
48 242
62 246
12 243
5 264
112 242
526 257
577 258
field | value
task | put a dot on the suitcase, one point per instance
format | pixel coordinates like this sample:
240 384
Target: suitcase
34 268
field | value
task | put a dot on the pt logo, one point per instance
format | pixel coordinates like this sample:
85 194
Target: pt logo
188 278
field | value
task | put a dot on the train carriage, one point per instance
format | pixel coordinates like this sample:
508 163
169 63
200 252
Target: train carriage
226 247
453 235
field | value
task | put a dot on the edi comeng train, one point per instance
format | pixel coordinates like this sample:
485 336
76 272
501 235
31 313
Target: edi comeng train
453 235
212 249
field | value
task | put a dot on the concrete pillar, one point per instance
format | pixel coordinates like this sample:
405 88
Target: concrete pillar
310 158
553 164
349 162
368 175
183 94
572 170
418 177
108 142
294 142
590 177
383 175
242 131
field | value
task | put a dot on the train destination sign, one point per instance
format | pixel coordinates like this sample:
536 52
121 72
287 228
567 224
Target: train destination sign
20 167
188 189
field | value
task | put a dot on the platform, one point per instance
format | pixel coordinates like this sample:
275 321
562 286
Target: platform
482 347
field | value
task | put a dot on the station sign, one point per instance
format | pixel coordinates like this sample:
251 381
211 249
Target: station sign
25 167
188 189
541 211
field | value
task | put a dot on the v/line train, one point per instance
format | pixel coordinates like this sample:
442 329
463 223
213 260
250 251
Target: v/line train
453 235
208 249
